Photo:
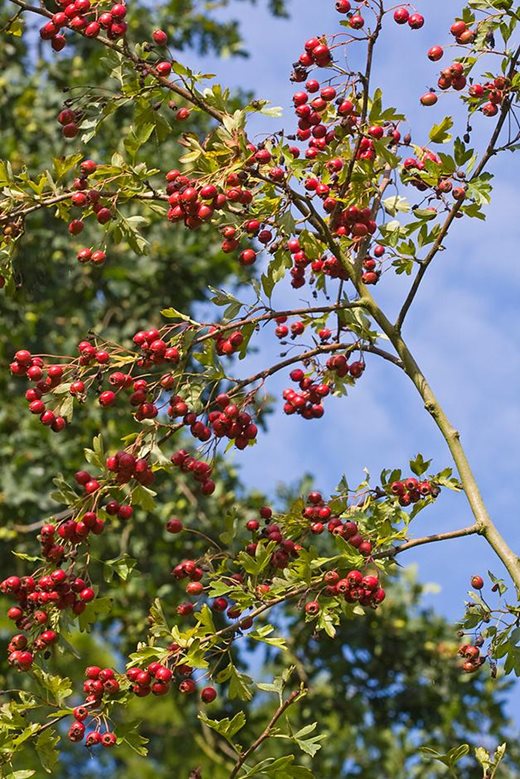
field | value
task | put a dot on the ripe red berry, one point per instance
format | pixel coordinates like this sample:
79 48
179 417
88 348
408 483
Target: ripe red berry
174 525
108 739
401 15
163 68
87 595
247 257
208 694
477 582
416 21
457 28
160 37
435 53
107 398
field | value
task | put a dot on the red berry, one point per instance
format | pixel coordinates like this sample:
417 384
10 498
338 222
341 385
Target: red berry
401 15
208 694
435 53
416 21
160 37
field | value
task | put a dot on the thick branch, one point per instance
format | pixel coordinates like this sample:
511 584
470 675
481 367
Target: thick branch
486 526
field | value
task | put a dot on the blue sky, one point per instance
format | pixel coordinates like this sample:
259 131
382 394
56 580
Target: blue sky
463 329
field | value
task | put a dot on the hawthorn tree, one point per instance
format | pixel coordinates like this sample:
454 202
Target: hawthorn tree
326 203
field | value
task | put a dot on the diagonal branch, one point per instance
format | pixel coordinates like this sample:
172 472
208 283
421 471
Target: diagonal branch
490 151
267 731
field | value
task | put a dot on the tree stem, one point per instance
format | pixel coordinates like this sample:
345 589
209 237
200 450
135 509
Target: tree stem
451 435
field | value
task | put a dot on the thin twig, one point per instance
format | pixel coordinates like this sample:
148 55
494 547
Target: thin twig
395 550
267 731
490 152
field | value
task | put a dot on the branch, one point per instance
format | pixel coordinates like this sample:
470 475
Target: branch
237 323
395 550
490 152
16 213
267 731
140 64
323 349
451 435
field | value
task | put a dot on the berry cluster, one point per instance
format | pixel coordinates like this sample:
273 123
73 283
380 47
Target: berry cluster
227 344
282 330
194 204
308 402
227 421
126 467
45 378
312 117
39 599
73 531
80 16
199 469
339 365
412 490
322 517
99 682
286 549
490 95
403 16
96 257
472 658
156 679
353 587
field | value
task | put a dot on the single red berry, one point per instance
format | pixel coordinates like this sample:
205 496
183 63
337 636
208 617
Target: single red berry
174 525
401 15
160 37
208 694
477 582
416 21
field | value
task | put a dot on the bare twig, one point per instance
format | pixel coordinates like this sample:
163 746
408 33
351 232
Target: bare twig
395 550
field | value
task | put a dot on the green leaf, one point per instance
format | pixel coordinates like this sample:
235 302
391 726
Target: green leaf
225 727
439 132
129 735
172 313
396 203
28 557
120 566
45 746
419 465
309 744
263 634
15 28
159 626
58 687
99 607
240 685
143 497
278 768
